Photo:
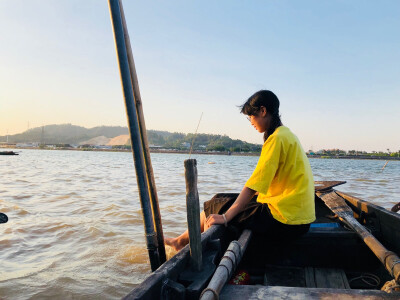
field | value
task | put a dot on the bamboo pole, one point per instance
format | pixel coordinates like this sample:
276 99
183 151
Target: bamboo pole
143 133
226 267
384 166
137 149
388 258
193 214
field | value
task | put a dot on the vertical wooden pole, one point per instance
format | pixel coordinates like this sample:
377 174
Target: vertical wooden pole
145 145
137 149
193 213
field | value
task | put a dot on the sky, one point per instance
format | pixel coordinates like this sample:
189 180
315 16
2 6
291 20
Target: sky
334 65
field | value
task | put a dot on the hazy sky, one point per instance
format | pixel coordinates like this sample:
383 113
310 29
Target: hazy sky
335 66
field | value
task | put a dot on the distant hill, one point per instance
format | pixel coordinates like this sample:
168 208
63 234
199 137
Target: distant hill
64 134
76 135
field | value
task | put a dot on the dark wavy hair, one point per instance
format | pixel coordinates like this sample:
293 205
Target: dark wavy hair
271 102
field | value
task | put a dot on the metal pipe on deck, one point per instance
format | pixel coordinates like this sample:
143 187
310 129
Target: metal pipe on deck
134 131
143 133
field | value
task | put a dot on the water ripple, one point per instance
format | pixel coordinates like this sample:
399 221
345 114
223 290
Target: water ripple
75 227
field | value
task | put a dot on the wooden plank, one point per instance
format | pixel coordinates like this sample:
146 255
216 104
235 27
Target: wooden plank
310 277
326 185
276 275
330 278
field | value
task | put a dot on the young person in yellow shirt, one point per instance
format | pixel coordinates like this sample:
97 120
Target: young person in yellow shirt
277 201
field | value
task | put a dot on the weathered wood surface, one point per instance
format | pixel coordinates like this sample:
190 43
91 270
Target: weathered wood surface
244 240
330 278
193 213
386 222
326 185
227 266
389 259
255 292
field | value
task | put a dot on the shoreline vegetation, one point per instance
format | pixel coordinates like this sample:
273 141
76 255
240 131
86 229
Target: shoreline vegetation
117 139
203 152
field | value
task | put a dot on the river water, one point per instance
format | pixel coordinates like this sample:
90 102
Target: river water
75 228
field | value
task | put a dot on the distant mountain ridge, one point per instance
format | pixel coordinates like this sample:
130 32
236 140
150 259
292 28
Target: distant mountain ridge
64 134
75 135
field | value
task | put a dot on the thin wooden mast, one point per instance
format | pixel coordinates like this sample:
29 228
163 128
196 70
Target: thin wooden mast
145 144
135 135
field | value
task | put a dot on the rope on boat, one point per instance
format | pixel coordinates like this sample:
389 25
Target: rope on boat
368 278
391 286
393 265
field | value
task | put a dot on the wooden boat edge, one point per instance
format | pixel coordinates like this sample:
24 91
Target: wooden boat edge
386 222
294 293
172 267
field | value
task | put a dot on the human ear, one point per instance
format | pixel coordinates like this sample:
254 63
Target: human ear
263 111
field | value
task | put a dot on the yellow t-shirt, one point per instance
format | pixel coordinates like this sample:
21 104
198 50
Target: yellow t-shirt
284 179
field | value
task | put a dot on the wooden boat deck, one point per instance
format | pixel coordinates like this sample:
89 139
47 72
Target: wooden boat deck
294 293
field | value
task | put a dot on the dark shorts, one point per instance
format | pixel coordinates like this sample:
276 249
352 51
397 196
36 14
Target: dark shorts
256 216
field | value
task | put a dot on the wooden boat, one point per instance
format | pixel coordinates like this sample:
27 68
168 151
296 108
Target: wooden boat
331 260
338 257
8 153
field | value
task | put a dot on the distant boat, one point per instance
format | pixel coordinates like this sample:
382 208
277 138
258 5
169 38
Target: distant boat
8 153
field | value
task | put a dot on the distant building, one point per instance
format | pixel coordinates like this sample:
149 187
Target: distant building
27 145
7 145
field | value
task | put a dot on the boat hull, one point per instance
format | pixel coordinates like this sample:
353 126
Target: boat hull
325 262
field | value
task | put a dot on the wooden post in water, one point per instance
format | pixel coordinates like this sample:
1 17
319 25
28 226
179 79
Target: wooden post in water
133 125
193 213
145 144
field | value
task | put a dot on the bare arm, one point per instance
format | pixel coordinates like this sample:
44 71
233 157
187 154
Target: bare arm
240 203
